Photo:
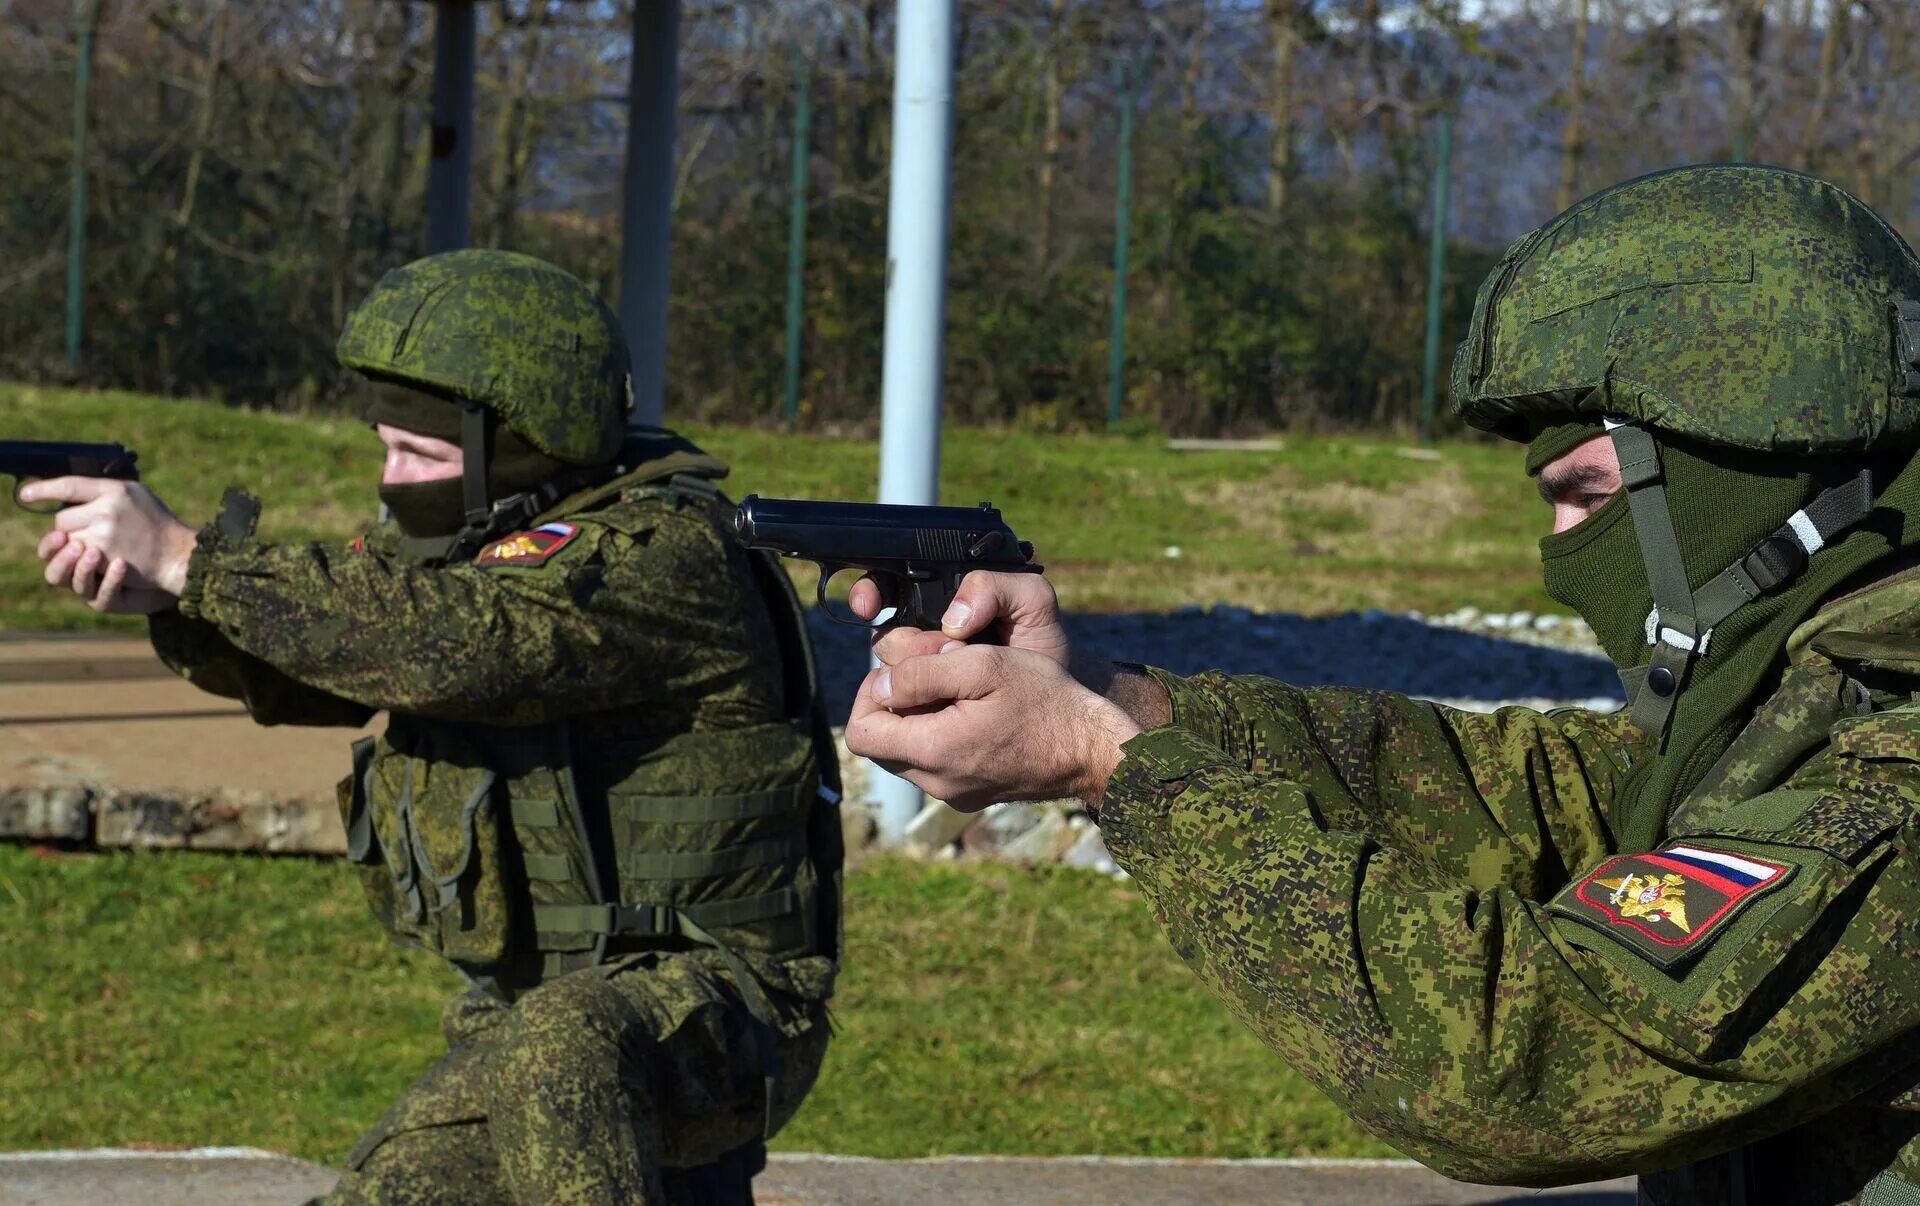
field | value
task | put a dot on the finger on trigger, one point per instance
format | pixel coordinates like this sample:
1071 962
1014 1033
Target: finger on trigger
864 599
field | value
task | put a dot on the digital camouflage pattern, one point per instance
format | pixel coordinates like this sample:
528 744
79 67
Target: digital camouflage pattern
1380 889
1736 304
517 335
583 1092
642 657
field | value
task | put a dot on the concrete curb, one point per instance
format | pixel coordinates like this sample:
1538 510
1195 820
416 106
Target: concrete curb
218 1175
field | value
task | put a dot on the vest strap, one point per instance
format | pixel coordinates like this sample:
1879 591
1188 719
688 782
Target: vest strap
703 810
548 868
683 865
534 813
655 919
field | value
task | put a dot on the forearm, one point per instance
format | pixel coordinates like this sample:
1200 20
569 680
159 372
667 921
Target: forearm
199 653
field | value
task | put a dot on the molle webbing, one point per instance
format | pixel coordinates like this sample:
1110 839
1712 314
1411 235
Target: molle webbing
564 927
656 920
1682 621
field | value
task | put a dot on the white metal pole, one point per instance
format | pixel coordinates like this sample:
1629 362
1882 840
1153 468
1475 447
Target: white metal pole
450 171
917 213
646 227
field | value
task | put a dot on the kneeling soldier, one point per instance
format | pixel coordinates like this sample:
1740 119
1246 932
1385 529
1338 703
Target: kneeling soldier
605 790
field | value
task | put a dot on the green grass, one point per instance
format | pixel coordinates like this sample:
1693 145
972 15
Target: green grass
180 998
1326 525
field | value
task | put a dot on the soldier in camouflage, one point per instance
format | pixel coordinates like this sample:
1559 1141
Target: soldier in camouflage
1682 940
605 789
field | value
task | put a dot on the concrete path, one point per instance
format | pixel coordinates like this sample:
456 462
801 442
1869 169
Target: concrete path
221 1176
104 710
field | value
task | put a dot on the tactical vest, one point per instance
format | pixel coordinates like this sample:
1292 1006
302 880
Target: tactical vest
520 853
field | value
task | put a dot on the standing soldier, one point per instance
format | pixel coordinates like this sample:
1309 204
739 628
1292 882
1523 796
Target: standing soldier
1682 940
605 790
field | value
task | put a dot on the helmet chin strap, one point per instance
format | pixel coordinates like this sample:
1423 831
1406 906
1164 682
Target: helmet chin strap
476 442
1682 620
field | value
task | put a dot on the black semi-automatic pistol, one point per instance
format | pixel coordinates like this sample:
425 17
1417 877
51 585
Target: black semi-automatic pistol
35 460
917 556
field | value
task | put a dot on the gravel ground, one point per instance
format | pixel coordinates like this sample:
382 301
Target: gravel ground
1464 658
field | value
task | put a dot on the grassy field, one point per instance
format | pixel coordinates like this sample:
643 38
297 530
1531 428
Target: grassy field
1326 525
200 999
195 999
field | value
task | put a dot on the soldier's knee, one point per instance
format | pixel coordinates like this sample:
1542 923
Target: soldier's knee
566 1028
450 1165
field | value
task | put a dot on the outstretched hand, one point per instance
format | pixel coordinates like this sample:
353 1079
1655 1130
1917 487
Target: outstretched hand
980 724
114 544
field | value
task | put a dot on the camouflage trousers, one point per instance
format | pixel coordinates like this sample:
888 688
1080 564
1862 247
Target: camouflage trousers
595 1087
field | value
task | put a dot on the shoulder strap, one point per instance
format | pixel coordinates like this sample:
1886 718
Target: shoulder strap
652 456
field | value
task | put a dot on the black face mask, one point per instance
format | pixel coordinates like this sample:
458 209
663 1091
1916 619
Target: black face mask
1595 568
427 510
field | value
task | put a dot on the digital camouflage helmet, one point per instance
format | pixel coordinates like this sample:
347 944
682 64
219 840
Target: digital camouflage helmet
1748 310
504 339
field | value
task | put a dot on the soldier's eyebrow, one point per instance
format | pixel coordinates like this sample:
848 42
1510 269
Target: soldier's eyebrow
1576 479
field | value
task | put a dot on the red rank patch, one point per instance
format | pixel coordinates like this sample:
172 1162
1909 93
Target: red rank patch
528 548
1670 903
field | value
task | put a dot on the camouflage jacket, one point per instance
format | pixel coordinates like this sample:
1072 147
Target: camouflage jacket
1425 912
635 622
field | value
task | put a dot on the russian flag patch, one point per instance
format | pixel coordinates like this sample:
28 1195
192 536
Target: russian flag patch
1670 903
528 548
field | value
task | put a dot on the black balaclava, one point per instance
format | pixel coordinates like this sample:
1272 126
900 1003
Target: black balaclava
436 509
1723 502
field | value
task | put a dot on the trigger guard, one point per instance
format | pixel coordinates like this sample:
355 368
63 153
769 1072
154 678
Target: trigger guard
889 600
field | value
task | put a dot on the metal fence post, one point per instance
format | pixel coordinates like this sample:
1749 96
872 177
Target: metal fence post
797 230
86 17
1122 236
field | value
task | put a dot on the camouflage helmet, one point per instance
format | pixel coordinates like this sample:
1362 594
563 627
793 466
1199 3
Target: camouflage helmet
1739 305
505 331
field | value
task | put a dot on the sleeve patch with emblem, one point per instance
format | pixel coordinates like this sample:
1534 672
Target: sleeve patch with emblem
528 548
1669 904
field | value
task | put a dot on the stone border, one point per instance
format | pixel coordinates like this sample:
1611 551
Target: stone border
102 817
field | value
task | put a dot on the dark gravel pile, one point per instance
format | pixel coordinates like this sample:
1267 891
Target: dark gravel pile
1463 658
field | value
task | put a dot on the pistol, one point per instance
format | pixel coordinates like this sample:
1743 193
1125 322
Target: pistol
35 460
917 556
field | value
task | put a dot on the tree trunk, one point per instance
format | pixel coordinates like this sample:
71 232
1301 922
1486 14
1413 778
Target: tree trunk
512 146
1283 36
1572 138
1832 38
1052 96
1747 21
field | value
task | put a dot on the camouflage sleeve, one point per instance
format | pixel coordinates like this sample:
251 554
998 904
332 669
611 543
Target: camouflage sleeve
1515 799
1617 1022
636 601
201 654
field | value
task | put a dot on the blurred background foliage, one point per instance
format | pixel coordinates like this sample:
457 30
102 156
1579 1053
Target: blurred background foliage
255 166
